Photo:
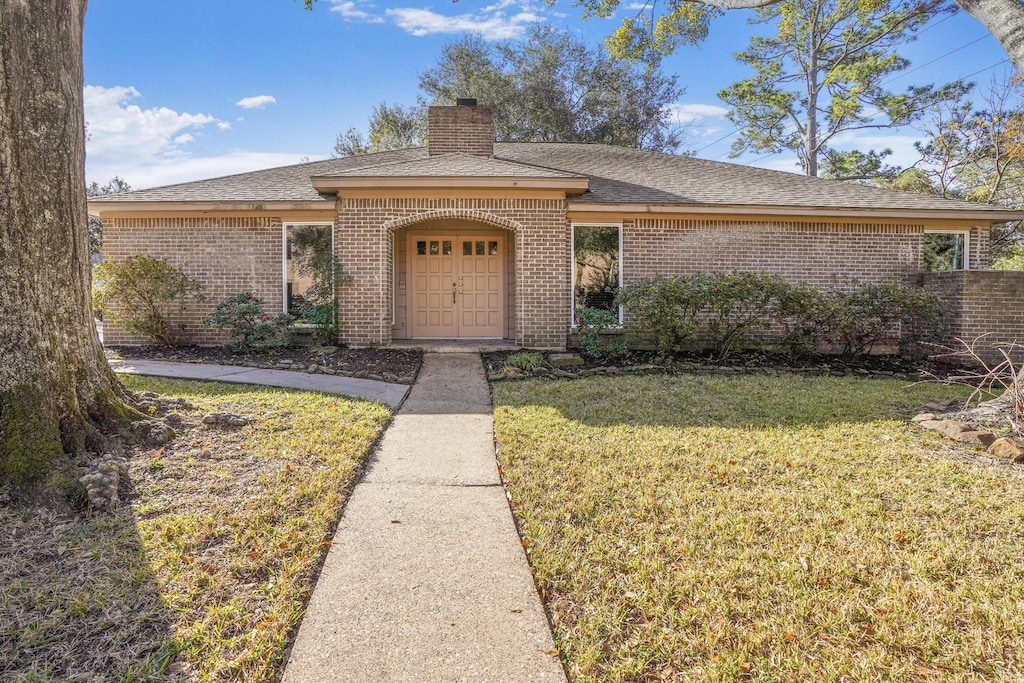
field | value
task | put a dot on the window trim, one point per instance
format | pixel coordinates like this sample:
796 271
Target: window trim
954 231
572 263
284 260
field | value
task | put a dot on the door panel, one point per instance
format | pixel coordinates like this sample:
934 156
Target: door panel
458 285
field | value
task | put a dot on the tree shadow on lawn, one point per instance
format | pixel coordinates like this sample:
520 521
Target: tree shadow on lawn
79 598
746 401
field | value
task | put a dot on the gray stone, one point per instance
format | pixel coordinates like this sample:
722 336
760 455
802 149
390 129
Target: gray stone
922 417
564 360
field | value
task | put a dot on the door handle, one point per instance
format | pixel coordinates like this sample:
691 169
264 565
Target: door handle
453 292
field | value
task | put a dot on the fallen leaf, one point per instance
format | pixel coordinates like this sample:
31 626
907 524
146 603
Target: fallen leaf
553 652
789 636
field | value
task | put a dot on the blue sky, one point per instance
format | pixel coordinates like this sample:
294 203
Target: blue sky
184 90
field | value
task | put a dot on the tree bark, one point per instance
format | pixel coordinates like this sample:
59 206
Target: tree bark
57 393
1005 20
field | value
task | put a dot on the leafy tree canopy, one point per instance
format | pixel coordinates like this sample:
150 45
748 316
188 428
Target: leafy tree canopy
549 87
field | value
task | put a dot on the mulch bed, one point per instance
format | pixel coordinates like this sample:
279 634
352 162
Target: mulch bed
879 366
393 365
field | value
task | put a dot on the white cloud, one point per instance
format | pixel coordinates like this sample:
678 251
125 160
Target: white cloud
351 11
256 101
687 114
492 21
143 173
773 163
118 129
902 145
146 147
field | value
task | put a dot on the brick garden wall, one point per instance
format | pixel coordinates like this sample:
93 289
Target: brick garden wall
989 302
229 255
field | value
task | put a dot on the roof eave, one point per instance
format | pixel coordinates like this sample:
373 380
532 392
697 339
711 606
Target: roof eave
98 206
570 185
988 216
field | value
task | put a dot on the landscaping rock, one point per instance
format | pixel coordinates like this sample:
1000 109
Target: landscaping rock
541 371
495 376
986 438
923 417
564 360
406 380
226 419
1007 448
361 374
152 432
563 374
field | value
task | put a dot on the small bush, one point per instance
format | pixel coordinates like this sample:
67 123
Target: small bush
135 294
242 319
666 308
798 310
870 314
590 322
736 310
523 360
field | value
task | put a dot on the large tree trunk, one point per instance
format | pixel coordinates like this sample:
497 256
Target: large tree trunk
57 393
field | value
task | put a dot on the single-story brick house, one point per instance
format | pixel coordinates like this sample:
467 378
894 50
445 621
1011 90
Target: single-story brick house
472 238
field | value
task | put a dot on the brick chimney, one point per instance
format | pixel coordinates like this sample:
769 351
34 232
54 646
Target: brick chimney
464 128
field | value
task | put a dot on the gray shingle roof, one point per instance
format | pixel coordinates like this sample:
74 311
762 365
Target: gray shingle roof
453 166
617 175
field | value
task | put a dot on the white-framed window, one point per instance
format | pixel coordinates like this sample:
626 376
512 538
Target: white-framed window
946 250
307 256
596 268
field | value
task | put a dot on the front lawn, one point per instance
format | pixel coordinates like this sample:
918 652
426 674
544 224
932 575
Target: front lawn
763 529
206 570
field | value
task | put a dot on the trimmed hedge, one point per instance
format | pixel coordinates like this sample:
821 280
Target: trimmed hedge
727 312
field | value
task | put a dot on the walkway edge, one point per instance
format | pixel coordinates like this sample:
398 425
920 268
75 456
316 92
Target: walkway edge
373 390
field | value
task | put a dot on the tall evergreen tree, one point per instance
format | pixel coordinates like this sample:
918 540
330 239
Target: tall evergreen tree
824 72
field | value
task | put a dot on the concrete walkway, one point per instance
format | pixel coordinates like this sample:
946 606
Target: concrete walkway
385 392
426 579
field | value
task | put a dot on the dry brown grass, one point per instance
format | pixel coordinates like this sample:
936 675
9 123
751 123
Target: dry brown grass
762 529
206 570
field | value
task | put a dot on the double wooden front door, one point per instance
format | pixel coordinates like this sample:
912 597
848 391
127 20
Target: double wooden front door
457 285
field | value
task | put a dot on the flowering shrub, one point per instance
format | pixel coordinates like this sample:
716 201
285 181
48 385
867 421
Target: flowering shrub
242 319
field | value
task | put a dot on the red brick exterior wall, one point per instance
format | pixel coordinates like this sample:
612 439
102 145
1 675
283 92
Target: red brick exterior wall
467 129
228 255
982 302
363 239
825 255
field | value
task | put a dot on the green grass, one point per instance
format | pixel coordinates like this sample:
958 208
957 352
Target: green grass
207 569
763 529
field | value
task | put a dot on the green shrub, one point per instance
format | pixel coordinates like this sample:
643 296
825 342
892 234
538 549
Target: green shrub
242 320
135 294
870 314
590 322
523 360
730 311
798 310
666 308
737 308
